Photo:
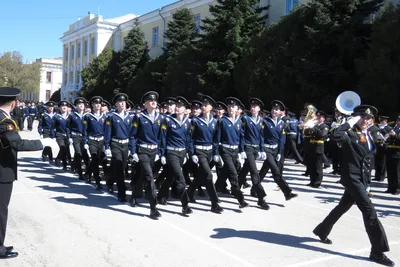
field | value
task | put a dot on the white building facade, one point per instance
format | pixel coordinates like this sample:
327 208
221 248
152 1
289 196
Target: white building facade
50 77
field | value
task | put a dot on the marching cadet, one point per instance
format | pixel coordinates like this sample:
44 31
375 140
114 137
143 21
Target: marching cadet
229 135
61 132
75 125
33 114
105 107
116 142
10 144
203 128
93 138
45 129
357 152
292 137
175 143
26 113
393 159
273 143
380 157
145 131
317 149
18 114
252 148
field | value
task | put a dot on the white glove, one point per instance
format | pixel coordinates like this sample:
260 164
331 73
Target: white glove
216 158
195 159
156 158
353 120
129 153
184 160
243 155
108 153
41 136
86 146
135 157
278 157
163 160
263 156
70 141
240 159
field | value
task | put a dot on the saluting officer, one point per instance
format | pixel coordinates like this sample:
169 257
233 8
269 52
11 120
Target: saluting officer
93 138
380 157
61 132
252 148
393 159
45 129
273 143
145 147
116 135
229 135
10 144
75 125
175 143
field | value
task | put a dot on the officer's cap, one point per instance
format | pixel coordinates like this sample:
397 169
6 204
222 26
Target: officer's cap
96 100
129 104
278 104
139 107
170 100
233 101
256 101
291 114
220 106
120 97
50 104
80 100
105 103
180 100
383 118
196 104
150 95
163 105
9 93
320 113
362 110
208 100
63 103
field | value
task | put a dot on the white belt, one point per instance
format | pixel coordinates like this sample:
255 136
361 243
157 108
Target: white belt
271 146
175 148
121 141
74 133
229 146
292 133
204 147
252 145
148 146
96 138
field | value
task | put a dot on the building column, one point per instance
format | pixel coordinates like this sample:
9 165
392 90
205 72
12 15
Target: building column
74 69
68 59
96 43
89 48
117 41
81 63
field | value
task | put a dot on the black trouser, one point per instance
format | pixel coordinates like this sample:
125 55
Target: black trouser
292 145
136 181
380 164
79 150
230 158
31 118
393 173
334 151
146 161
250 165
221 175
356 192
47 151
175 162
20 121
316 168
63 144
204 176
119 161
189 168
271 163
95 149
5 196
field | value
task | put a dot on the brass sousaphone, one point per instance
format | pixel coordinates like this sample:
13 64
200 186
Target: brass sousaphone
347 101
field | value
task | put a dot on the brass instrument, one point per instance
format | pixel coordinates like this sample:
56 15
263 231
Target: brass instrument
347 101
309 120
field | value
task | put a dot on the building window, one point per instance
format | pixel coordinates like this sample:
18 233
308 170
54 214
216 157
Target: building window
85 48
48 76
73 51
290 4
93 50
48 95
66 53
79 50
197 21
155 36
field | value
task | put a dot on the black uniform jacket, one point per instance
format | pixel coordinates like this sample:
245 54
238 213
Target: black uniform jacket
10 144
355 153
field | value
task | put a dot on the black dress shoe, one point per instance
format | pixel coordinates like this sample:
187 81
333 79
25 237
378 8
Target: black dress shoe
201 193
133 202
322 238
217 209
9 248
263 205
155 214
187 210
223 190
381 259
246 185
253 194
162 201
290 196
243 205
9 255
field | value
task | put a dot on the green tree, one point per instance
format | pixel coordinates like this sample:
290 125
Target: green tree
15 73
133 56
379 72
224 35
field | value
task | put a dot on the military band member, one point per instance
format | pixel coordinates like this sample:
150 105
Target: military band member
116 142
380 157
93 138
273 143
357 152
229 135
75 125
252 148
334 149
145 147
45 129
10 144
175 143
292 137
393 159
60 132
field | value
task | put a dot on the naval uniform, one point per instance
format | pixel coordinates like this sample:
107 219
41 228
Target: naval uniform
33 113
44 129
316 153
380 157
75 125
61 132
292 132
10 144
393 162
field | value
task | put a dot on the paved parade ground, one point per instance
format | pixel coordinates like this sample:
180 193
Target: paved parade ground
57 220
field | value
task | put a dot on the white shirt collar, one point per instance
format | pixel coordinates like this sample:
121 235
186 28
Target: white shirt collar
8 114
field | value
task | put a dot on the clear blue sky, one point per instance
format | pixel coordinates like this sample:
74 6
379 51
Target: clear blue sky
33 27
